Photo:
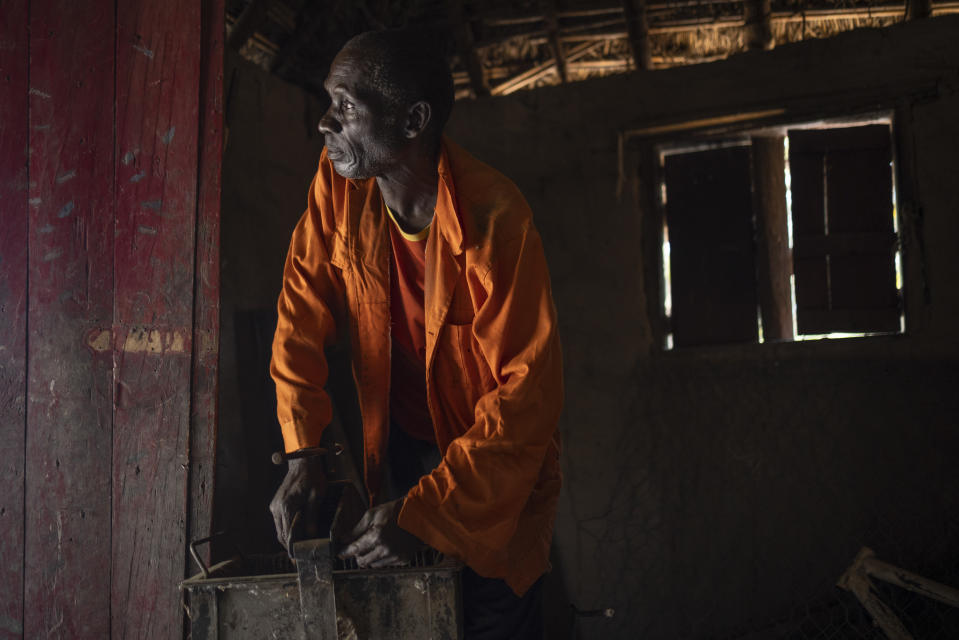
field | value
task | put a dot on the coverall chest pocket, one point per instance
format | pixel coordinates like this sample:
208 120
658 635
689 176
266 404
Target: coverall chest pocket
339 255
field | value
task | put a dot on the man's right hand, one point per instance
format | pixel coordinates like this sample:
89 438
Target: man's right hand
302 489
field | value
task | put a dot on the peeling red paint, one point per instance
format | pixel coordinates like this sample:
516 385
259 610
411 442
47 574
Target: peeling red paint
101 164
14 213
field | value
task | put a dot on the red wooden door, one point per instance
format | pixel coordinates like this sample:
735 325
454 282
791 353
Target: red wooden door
110 129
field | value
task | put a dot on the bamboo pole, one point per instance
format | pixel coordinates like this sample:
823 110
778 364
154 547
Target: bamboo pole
539 71
866 565
860 586
910 581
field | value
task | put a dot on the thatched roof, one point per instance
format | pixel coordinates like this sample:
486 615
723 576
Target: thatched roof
514 45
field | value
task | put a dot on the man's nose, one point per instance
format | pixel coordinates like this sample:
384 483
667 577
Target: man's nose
328 124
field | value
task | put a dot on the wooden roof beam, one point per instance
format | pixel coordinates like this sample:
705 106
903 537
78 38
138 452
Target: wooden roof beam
637 26
617 65
612 11
306 28
758 31
918 9
597 31
248 23
779 17
539 71
466 44
552 34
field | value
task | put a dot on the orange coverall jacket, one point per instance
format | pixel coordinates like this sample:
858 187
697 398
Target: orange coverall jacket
493 361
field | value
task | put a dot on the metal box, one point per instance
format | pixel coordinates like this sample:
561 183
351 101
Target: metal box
322 597
259 597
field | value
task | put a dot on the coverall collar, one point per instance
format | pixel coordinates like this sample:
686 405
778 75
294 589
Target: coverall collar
445 219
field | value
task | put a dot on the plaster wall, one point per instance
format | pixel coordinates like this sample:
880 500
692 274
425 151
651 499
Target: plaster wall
720 492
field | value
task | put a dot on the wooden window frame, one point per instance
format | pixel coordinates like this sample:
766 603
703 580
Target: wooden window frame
746 131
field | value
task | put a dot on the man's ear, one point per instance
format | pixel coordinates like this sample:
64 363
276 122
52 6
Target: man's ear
418 118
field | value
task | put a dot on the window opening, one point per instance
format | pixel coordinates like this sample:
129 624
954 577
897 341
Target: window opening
860 247
667 273
711 268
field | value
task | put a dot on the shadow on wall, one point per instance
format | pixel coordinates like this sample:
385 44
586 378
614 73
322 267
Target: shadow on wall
271 155
721 492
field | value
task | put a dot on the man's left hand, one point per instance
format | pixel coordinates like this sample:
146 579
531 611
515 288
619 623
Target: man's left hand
378 541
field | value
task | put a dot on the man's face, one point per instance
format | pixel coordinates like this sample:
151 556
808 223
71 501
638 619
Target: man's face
362 129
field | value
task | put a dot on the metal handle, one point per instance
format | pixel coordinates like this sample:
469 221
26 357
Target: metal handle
196 556
280 457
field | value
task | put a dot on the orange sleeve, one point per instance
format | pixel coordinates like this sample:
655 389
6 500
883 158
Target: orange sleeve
306 326
469 506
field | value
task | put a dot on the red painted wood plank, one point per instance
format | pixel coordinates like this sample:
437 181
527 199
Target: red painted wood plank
70 305
13 309
158 79
206 304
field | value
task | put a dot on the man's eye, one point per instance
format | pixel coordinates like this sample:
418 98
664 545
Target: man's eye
347 105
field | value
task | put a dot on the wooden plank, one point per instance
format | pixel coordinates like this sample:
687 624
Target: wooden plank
812 287
841 244
911 581
866 281
885 618
13 309
859 191
774 261
807 171
650 205
845 241
808 191
916 292
712 255
703 123
206 303
823 321
71 98
158 79
873 136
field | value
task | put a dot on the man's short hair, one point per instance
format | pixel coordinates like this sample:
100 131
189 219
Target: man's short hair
408 65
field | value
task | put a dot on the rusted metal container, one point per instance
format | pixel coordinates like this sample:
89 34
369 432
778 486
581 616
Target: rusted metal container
322 597
256 597
259 597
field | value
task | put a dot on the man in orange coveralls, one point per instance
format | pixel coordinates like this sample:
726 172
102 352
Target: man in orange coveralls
428 260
